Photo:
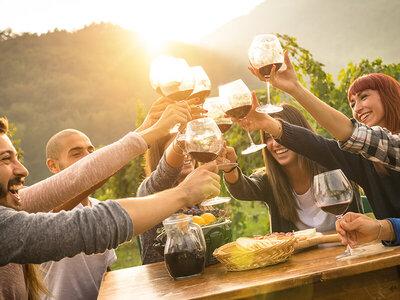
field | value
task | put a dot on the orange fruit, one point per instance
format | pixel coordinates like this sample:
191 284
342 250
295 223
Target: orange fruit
198 220
208 218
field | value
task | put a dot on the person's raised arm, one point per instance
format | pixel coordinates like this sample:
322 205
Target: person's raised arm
201 184
332 120
90 170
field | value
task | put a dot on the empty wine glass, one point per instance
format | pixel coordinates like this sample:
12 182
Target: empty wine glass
172 77
266 51
203 141
333 193
236 102
202 84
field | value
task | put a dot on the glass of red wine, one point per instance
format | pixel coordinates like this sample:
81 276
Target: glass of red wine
333 193
215 112
236 102
172 77
203 141
202 84
266 51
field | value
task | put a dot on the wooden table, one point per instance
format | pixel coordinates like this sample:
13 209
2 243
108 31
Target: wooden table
311 274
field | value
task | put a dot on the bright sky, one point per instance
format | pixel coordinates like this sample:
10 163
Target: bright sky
181 20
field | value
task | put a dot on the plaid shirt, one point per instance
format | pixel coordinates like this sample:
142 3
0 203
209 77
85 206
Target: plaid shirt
374 143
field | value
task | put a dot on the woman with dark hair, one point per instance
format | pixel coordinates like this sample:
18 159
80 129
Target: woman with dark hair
381 185
286 185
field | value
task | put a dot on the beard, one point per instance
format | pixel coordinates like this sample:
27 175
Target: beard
4 192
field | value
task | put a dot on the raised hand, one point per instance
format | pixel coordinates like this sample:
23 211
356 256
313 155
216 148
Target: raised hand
201 184
179 112
227 153
286 80
155 112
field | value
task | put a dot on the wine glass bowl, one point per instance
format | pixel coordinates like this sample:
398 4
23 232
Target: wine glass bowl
215 112
266 51
236 102
171 77
333 192
236 99
202 83
203 139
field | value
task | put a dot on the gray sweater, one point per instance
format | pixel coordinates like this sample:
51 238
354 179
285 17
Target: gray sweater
164 177
36 238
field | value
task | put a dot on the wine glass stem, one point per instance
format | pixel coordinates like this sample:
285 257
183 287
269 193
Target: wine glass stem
268 96
349 250
251 140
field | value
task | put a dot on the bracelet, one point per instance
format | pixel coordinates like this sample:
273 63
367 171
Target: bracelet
226 172
380 229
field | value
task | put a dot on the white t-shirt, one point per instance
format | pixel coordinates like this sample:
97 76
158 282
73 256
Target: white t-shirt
77 277
311 216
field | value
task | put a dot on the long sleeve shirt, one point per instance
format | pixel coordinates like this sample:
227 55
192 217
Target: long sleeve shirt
382 191
82 175
375 143
162 178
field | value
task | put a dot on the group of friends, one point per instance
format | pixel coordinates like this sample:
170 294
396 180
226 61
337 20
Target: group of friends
56 224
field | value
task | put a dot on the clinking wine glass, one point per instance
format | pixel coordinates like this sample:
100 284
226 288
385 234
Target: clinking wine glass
203 141
215 112
172 77
236 102
266 51
333 193
202 84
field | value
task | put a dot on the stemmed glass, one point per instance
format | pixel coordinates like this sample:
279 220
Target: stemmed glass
202 84
172 77
215 111
203 141
236 102
333 193
266 51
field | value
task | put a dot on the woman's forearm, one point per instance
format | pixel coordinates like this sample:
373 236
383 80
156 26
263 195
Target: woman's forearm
331 119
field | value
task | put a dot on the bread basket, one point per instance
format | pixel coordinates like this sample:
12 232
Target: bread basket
246 255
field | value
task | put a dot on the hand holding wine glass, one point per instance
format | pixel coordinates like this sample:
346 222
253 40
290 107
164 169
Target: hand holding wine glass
265 52
236 101
179 112
333 193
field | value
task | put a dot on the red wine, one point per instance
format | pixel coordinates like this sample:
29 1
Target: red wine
181 95
239 112
202 95
224 127
335 209
266 70
185 263
203 156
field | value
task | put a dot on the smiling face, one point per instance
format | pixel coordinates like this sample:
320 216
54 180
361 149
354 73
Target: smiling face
69 149
12 173
367 108
281 154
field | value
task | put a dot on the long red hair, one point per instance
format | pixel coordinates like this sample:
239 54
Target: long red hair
389 91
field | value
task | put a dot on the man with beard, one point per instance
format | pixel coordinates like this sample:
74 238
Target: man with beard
36 238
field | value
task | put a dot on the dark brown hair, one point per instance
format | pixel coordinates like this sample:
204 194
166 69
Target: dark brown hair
280 184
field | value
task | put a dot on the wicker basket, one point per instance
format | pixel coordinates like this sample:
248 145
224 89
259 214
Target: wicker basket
239 259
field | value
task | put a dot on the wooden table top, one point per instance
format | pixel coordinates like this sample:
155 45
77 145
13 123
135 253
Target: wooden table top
306 267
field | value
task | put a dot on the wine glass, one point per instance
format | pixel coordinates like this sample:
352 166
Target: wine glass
172 77
203 141
202 84
266 51
215 111
236 102
333 193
